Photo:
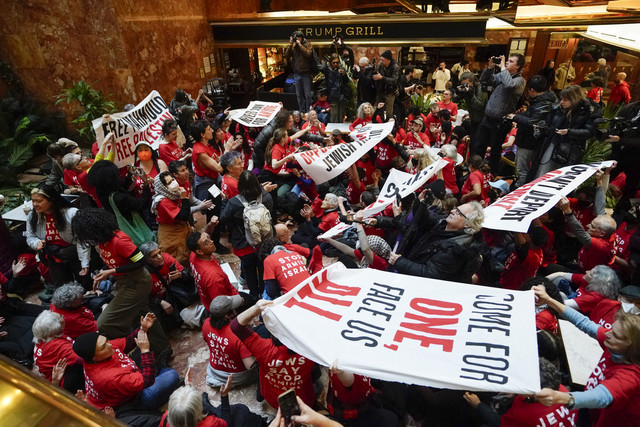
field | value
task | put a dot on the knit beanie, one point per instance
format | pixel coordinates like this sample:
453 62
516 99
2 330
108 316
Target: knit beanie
85 346
387 54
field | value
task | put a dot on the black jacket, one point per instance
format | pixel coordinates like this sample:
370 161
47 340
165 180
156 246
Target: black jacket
337 89
539 107
579 123
390 75
366 85
232 218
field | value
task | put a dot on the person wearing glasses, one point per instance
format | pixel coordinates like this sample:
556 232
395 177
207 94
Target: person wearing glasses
337 90
440 247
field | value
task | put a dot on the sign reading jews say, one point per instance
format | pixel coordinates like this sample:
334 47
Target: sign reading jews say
325 163
142 123
516 210
412 329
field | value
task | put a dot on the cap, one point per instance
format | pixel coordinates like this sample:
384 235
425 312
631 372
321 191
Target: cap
501 185
631 292
85 345
419 121
336 132
387 54
66 142
143 143
223 304
437 188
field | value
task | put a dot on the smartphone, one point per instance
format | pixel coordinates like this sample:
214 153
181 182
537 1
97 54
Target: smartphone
496 60
288 406
173 267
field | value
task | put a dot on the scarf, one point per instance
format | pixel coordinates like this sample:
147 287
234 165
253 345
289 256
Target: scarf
378 246
162 192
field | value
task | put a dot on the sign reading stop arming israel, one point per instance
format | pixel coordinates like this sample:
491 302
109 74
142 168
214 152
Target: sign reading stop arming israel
324 163
411 329
142 123
516 210
401 184
257 114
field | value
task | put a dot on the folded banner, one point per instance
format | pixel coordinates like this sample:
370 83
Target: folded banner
516 210
322 164
411 329
142 123
402 184
257 114
335 230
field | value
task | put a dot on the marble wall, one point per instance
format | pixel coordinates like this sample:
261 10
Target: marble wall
128 48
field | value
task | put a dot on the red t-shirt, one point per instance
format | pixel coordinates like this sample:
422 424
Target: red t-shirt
378 263
305 252
451 106
288 269
71 177
279 152
476 177
516 272
113 382
353 193
46 355
226 350
586 300
595 93
76 322
329 220
583 215
621 242
205 150
117 251
431 120
623 382
369 169
158 290
167 211
229 187
384 154
349 398
535 414
187 187
600 252
412 142
208 421
449 176
365 121
313 130
549 254
169 152
604 314
210 280
52 236
280 370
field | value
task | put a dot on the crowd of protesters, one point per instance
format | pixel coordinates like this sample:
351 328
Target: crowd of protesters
139 256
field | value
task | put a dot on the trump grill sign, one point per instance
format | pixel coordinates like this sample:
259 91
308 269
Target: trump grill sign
412 330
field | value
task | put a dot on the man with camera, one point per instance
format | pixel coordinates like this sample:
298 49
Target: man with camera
624 135
386 79
471 91
300 53
531 124
508 88
337 87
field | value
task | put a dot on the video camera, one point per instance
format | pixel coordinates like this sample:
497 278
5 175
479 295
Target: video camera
463 88
616 126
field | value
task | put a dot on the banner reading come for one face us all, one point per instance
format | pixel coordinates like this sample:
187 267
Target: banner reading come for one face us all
413 330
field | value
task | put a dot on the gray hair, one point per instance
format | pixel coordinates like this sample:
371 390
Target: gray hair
185 407
606 224
70 161
604 281
228 158
147 247
468 75
65 296
47 326
450 151
360 112
475 218
364 61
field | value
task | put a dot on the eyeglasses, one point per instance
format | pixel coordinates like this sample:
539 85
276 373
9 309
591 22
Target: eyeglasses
459 212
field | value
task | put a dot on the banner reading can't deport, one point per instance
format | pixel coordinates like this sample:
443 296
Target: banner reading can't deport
516 210
142 123
412 329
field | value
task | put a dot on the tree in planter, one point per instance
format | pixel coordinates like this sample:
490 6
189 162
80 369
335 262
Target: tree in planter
94 105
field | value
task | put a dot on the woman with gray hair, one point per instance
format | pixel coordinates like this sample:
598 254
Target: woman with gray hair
232 167
68 301
53 353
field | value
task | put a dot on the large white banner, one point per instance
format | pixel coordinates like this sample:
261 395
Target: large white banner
335 230
324 163
257 114
516 210
143 123
412 330
402 184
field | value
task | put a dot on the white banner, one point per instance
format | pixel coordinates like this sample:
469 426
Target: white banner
412 329
257 114
324 163
143 123
403 184
516 210
334 231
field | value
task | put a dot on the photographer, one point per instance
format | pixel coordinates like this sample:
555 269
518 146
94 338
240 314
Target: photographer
344 51
300 53
440 77
624 136
531 124
508 88
338 91
386 80
471 91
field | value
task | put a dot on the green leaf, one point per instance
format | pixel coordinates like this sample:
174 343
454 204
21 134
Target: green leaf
20 155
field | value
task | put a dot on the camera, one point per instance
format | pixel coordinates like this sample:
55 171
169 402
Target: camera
540 129
463 88
616 126
496 60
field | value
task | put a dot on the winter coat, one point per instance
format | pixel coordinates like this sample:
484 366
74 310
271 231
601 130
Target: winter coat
507 92
232 218
302 57
539 107
388 85
476 100
337 89
564 76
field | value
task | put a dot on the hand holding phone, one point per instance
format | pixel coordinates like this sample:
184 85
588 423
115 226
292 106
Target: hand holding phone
288 405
